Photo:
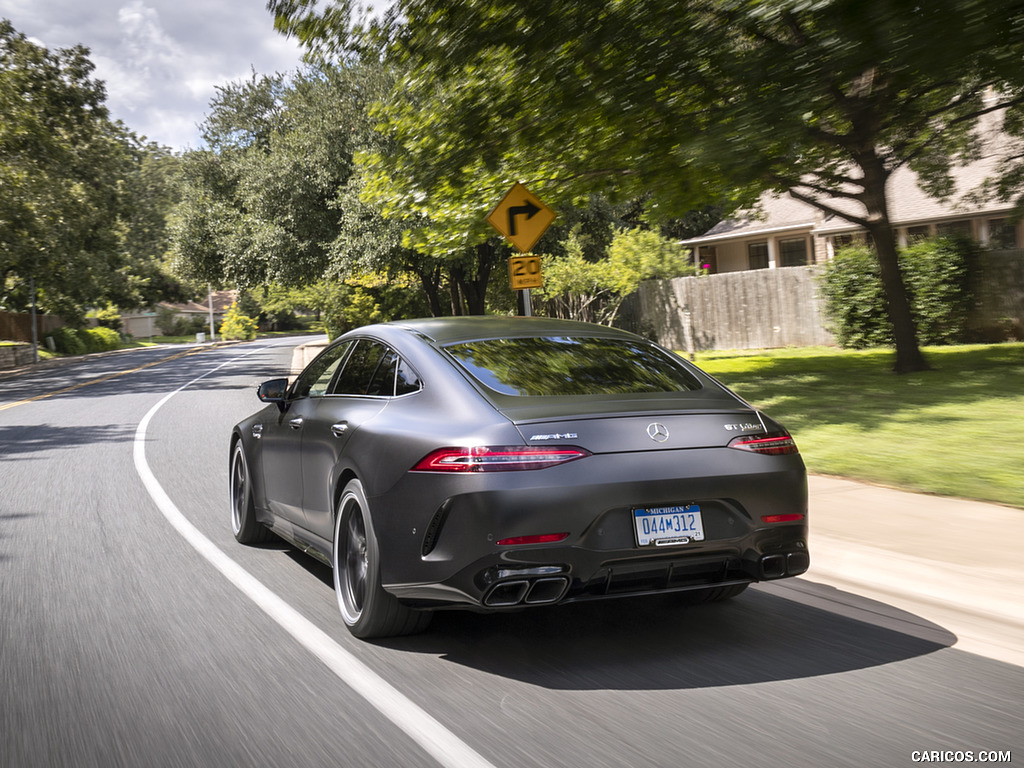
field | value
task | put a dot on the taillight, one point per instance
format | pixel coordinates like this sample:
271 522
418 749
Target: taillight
541 538
777 444
789 518
497 458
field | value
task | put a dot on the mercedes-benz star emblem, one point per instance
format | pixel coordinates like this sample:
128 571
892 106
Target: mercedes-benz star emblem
658 432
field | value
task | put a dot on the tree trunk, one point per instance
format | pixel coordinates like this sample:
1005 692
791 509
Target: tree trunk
455 280
430 279
908 354
473 289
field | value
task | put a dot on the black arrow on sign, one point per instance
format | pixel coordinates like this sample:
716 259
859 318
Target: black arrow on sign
529 209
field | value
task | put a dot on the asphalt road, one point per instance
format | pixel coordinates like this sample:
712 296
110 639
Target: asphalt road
134 631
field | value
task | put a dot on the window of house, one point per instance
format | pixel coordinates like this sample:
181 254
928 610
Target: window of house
709 259
962 227
793 253
921 232
842 241
757 255
1002 235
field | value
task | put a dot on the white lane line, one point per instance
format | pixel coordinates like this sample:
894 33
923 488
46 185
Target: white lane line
434 738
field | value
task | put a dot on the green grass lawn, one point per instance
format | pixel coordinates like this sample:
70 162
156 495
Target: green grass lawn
957 430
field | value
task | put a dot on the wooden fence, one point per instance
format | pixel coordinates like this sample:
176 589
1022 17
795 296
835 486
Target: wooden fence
767 308
736 310
18 327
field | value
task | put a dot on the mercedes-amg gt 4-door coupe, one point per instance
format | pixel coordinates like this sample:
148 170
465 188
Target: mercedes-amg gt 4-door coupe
497 463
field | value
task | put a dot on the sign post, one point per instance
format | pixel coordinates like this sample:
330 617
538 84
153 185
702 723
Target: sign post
522 218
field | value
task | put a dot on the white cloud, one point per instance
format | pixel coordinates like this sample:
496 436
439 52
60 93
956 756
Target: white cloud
161 60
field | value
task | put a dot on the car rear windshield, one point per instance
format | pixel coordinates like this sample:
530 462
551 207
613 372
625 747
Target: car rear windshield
566 365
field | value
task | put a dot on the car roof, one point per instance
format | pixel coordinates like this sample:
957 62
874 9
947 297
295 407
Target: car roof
449 330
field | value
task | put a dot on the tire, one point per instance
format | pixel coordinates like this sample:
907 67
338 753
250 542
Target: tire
245 526
367 610
712 594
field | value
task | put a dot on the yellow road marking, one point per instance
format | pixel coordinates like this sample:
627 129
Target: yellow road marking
102 379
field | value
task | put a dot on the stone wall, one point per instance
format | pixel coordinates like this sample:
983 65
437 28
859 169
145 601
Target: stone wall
15 355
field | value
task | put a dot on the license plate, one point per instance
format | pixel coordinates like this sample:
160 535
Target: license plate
668 526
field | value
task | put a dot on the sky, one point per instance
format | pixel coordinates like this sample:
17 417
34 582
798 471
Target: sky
161 59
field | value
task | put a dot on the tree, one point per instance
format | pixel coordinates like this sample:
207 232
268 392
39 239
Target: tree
576 288
278 197
693 102
274 199
149 191
255 205
71 208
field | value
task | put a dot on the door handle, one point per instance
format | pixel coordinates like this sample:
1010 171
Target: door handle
339 429
295 423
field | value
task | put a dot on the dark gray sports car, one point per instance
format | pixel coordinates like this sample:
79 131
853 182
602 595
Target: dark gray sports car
493 463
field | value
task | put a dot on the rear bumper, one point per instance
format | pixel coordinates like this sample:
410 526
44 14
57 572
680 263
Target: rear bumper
438 532
515 585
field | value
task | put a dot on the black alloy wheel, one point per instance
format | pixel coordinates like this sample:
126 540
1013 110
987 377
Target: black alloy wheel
245 526
366 608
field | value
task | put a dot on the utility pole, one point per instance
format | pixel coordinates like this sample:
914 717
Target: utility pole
35 331
209 295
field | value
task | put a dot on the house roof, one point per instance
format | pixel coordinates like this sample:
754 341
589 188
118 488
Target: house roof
222 301
775 213
908 203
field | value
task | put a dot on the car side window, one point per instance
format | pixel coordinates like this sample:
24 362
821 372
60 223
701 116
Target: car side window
383 380
356 377
407 380
313 381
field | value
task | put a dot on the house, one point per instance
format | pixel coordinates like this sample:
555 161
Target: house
786 232
143 323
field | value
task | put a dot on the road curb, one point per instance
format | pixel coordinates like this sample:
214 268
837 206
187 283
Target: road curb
993 593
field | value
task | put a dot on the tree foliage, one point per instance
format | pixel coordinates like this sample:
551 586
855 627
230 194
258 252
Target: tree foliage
279 198
257 204
576 288
689 103
82 199
238 326
940 275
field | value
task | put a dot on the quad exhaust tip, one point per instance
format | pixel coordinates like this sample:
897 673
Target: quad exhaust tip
527 592
789 564
544 591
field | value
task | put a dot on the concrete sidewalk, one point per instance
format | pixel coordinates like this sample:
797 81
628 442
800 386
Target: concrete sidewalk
953 562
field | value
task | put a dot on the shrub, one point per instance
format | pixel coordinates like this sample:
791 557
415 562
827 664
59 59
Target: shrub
370 298
855 300
937 275
100 339
197 324
237 326
593 291
81 341
354 307
66 341
169 323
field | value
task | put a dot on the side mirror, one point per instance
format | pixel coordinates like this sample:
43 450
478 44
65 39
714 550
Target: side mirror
274 391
